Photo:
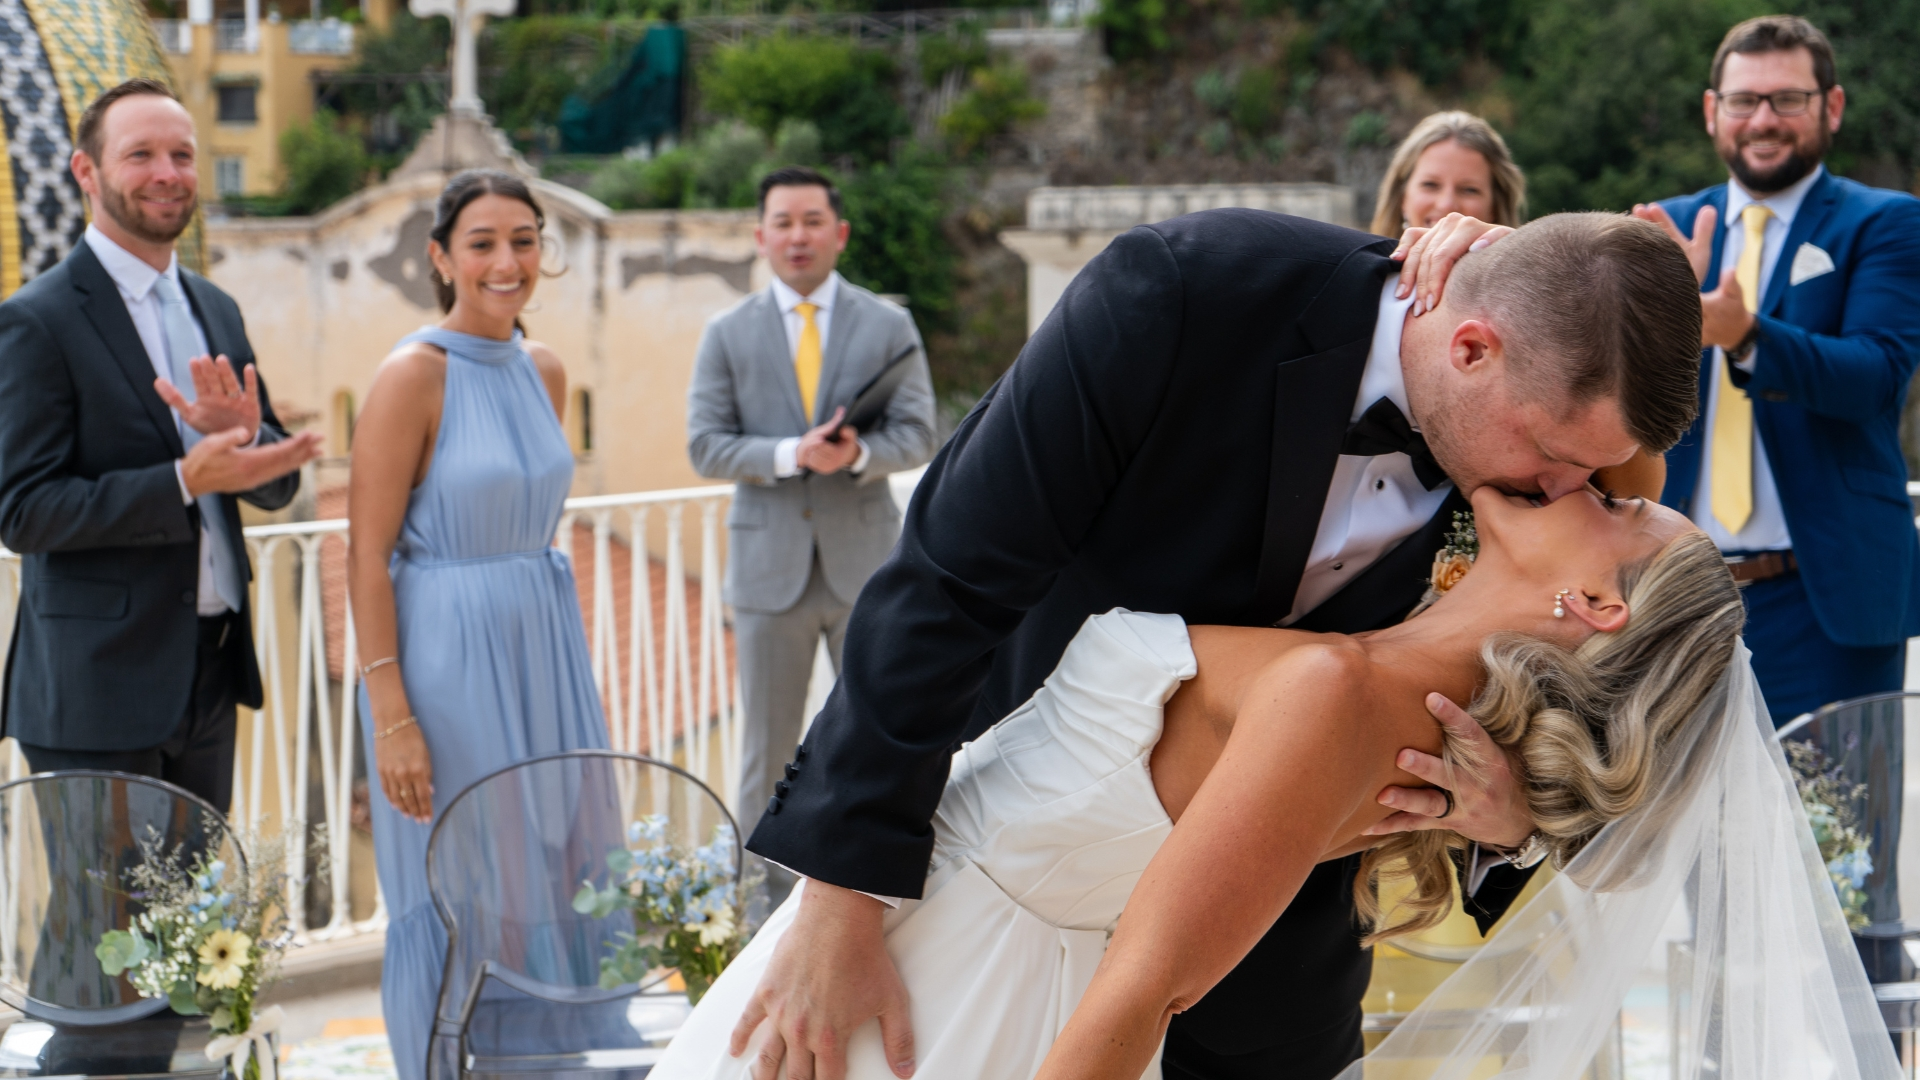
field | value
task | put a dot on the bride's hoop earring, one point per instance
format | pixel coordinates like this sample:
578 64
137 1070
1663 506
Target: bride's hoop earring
1560 603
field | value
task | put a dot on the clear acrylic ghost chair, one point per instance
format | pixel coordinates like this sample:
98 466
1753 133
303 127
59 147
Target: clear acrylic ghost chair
1865 741
522 992
67 840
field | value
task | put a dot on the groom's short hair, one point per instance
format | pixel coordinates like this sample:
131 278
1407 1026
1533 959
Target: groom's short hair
1594 305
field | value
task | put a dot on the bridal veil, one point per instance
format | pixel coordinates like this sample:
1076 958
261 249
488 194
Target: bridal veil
1764 985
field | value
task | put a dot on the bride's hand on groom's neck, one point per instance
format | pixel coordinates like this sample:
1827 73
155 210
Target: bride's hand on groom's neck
1427 256
829 974
1491 810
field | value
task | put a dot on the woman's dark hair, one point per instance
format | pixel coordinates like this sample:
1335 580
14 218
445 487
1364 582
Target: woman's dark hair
461 190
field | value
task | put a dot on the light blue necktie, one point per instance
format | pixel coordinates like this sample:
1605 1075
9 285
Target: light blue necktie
176 323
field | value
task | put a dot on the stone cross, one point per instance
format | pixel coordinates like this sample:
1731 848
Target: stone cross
465 15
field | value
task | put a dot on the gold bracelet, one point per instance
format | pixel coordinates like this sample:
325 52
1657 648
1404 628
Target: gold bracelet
394 728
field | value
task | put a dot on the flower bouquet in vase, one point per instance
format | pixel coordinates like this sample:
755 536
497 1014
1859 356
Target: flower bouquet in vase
685 905
208 938
1829 798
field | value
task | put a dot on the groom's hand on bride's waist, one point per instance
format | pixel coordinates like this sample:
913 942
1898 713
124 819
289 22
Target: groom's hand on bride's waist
830 973
1490 810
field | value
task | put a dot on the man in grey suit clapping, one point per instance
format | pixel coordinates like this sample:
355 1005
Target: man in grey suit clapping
812 514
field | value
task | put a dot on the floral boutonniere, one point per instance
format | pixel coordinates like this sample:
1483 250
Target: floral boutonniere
1452 562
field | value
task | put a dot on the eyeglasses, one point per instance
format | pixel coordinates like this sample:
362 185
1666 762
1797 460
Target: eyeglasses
1742 104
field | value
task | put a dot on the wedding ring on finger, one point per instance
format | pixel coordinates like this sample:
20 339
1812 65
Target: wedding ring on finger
1447 795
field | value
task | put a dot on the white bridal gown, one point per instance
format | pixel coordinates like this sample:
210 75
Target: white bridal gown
1048 820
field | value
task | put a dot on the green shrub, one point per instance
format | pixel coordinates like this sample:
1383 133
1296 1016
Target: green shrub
897 243
845 90
962 49
321 163
728 162
657 184
1254 101
992 105
1214 90
1367 128
1134 29
797 143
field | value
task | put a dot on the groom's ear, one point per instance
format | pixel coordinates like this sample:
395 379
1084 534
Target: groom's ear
1606 612
1476 348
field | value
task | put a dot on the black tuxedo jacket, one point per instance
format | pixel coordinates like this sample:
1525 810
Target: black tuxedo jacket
1164 443
104 642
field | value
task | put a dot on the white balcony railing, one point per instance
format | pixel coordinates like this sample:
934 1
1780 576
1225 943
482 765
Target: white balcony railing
232 36
661 652
176 35
320 37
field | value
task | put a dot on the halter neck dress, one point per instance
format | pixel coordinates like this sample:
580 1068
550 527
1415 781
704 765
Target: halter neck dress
493 651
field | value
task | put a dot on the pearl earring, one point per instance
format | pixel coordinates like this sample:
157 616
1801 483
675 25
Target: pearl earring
1560 603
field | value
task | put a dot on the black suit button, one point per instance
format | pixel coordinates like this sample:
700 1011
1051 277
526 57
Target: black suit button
800 752
792 770
188 598
773 806
780 788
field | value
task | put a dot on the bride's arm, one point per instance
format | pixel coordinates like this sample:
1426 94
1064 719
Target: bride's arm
1296 768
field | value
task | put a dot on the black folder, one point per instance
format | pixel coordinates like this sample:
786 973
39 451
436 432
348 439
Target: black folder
870 403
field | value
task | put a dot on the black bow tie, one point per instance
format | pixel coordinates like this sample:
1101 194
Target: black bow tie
1383 429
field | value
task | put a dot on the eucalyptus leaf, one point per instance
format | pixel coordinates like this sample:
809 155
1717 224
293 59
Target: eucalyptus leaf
120 949
586 899
181 998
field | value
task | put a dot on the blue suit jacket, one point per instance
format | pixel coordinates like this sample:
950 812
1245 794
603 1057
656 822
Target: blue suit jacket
1836 352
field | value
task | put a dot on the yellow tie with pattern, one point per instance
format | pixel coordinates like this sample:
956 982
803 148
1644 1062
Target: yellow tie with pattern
1733 420
806 359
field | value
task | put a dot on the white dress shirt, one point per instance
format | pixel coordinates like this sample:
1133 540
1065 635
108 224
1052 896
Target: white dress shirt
1373 503
1766 528
135 278
786 451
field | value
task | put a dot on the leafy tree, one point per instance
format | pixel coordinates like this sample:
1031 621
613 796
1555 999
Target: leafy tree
1607 100
535 62
897 243
992 105
398 105
1135 29
657 184
1432 38
844 89
322 162
1875 43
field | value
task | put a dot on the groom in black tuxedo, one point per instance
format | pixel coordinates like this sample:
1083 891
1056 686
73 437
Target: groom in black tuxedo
1233 417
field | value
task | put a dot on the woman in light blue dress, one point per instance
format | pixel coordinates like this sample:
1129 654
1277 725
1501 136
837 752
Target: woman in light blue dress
473 652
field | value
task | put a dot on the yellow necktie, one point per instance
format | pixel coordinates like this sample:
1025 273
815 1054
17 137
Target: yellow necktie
1733 422
806 359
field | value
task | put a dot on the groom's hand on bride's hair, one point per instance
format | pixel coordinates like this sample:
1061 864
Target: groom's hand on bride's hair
829 974
1428 256
1492 812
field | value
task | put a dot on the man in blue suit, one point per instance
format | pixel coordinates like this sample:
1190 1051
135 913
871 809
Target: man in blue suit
1811 302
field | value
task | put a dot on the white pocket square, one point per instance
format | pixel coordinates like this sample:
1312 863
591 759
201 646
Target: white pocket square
1809 262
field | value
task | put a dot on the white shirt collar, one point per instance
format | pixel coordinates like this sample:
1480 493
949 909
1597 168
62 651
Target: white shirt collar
1784 204
822 298
132 274
1383 377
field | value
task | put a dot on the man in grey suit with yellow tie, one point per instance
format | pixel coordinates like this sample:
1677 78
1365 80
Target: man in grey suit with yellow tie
812 516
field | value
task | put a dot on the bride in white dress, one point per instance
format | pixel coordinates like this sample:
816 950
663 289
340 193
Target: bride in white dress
1112 848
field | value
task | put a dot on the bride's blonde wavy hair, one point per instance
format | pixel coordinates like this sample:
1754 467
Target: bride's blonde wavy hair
1585 727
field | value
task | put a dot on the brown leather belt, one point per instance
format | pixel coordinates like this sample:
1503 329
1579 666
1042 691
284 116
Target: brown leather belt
1765 566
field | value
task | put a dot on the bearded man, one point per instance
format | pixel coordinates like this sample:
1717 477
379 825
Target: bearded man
131 418
1811 304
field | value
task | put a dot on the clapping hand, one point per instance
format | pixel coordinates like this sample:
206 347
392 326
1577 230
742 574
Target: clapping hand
1492 811
220 400
1699 246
